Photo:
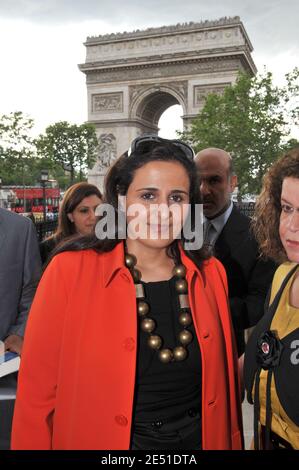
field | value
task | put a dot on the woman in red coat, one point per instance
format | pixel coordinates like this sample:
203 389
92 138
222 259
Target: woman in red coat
129 340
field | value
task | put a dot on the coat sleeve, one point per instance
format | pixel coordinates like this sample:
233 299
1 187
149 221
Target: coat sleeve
35 402
31 275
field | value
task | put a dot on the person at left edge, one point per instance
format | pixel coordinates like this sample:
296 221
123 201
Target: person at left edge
102 379
20 269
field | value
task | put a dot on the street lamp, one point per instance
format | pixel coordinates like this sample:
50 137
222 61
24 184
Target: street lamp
44 176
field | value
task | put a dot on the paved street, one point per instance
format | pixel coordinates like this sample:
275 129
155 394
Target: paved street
247 423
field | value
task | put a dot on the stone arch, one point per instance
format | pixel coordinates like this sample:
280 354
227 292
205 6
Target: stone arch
133 77
148 105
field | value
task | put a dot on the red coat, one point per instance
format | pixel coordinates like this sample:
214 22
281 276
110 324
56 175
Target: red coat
77 376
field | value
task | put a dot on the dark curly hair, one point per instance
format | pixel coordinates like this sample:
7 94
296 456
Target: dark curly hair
268 207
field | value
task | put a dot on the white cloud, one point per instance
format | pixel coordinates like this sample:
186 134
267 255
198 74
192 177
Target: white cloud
41 43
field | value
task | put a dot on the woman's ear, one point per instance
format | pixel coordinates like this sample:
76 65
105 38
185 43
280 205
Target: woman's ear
70 217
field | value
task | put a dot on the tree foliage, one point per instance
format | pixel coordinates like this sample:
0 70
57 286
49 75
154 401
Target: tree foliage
17 149
63 146
252 120
72 146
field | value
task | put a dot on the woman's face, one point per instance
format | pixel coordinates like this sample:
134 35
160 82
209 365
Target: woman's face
155 201
83 216
289 218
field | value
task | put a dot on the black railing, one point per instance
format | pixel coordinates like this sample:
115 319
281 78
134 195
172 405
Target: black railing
45 229
247 208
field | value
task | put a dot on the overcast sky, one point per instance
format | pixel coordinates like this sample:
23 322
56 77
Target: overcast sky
41 43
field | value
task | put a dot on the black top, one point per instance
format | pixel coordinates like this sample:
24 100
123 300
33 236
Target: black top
46 247
165 390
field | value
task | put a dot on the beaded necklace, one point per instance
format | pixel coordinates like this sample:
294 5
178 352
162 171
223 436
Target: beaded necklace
148 325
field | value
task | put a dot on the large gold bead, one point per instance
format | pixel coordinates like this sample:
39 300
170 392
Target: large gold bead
179 270
181 286
165 355
142 308
154 342
185 319
130 260
185 337
180 353
136 274
148 325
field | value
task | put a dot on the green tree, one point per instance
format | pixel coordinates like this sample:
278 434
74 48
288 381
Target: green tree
71 146
17 149
291 144
252 120
55 172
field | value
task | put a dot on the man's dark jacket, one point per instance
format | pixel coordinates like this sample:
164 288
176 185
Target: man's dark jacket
249 276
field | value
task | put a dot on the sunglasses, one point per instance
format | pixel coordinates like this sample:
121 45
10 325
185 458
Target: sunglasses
148 142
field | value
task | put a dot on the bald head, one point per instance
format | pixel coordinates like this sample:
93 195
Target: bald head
216 180
220 157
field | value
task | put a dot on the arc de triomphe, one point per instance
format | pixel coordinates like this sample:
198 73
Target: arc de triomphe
132 78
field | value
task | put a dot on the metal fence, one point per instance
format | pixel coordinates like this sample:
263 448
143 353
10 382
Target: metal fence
247 208
45 229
